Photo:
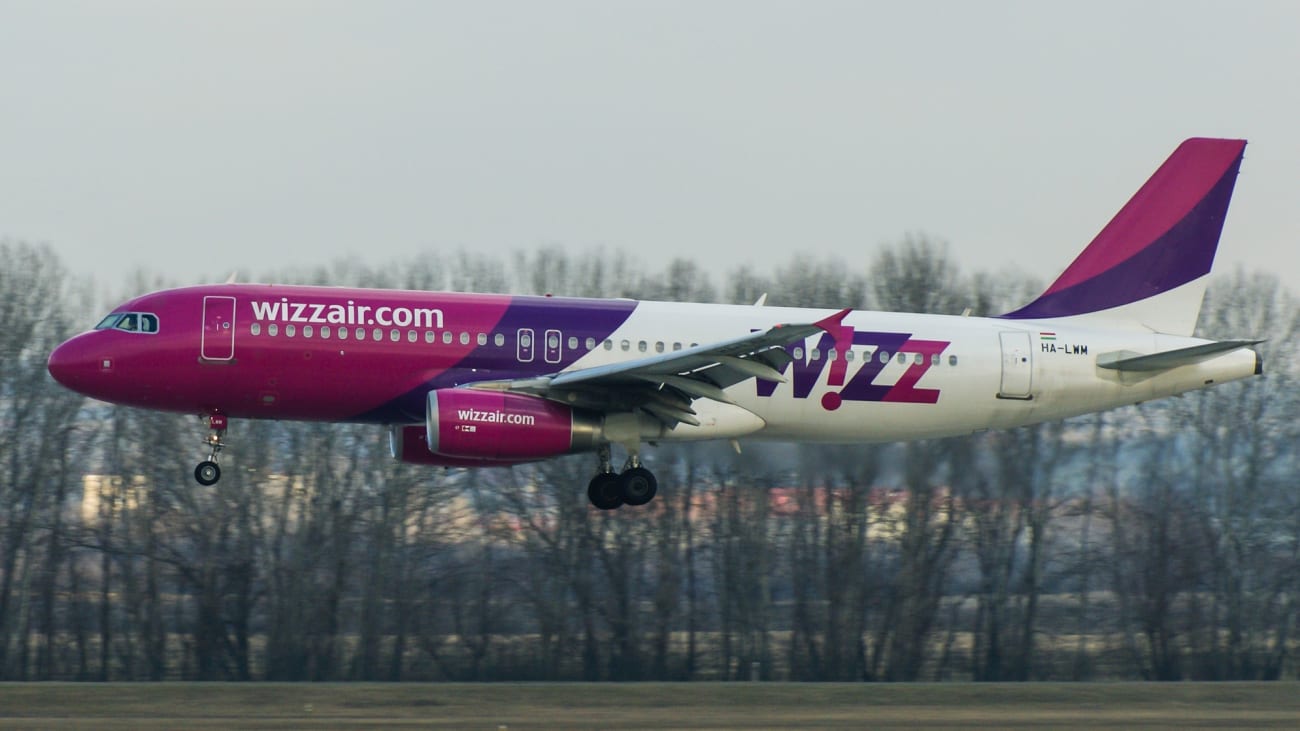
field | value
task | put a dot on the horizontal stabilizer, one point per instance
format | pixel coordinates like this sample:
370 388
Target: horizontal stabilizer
1129 361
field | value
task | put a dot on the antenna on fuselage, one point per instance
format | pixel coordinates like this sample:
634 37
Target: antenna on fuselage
762 300
233 276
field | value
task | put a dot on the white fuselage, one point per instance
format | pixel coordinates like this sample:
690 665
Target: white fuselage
973 373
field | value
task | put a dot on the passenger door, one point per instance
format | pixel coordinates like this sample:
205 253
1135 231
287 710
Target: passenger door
1017 366
218 337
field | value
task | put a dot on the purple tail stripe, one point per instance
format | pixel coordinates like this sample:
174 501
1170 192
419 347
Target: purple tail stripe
1164 237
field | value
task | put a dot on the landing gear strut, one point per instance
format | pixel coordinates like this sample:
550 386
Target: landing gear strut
208 471
608 490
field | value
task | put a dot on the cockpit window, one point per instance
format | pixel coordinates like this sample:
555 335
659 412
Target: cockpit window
133 322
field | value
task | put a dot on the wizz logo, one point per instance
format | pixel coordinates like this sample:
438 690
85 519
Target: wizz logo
919 355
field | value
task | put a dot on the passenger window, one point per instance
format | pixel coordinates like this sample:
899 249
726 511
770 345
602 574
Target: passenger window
934 359
325 332
273 329
832 354
464 338
626 345
848 355
815 354
395 335
659 346
290 331
884 356
641 346
428 336
446 337
677 346
609 345
377 335
411 337
902 357
343 333
591 343
918 359
573 343
255 329
481 339
306 331
798 352
499 339
952 360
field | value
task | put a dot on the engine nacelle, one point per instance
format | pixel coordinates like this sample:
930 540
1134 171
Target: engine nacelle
409 444
505 427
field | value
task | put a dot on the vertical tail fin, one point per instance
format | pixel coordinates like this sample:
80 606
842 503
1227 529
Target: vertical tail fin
1148 266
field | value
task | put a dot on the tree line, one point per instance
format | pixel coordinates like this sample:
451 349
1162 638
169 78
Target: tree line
1160 541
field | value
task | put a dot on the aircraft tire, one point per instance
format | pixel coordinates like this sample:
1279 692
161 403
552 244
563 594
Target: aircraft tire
207 473
604 492
637 486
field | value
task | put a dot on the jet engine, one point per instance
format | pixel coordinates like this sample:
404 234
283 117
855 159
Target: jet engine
505 427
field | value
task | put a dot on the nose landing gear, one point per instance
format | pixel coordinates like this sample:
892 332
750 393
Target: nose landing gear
208 472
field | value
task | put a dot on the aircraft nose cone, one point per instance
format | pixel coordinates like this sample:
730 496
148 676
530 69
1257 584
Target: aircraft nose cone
69 365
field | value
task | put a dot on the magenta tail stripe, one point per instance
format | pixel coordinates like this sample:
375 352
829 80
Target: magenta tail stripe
1164 237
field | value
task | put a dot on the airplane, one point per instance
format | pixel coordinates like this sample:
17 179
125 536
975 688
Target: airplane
475 380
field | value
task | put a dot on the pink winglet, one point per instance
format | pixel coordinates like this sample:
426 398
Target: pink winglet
843 339
833 323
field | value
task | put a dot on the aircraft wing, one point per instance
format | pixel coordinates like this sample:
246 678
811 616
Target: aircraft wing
665 384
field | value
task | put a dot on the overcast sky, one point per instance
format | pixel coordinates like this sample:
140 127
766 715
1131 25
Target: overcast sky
195 138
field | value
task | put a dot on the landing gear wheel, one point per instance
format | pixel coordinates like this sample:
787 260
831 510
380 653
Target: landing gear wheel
637 486
207 473
603 491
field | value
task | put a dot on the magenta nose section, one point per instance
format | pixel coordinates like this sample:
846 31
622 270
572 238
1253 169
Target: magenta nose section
71 365
60 365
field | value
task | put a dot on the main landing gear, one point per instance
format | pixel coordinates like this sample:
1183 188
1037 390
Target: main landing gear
635 485
208 471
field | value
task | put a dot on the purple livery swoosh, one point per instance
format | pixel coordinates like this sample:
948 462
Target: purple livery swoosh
1164 237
